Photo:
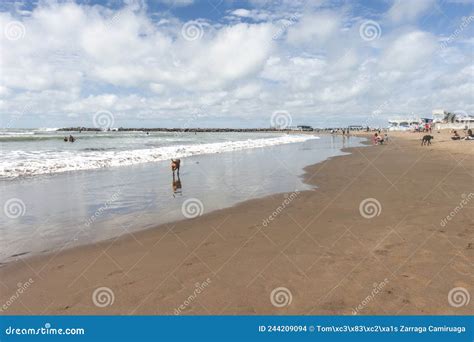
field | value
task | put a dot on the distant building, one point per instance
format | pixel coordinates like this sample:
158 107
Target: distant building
464 118
403 124
439 115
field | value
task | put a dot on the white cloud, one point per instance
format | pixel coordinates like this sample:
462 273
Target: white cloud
314 28
402 10
157 88
177 3
408 51
247 91
257 15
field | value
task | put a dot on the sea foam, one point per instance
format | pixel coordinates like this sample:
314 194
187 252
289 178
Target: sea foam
22 163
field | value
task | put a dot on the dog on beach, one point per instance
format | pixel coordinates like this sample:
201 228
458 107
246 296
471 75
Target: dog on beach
175 163
426 140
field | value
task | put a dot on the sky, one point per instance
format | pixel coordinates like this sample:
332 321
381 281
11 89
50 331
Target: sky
229 63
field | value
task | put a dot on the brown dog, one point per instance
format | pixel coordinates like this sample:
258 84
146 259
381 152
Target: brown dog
426 140
175 163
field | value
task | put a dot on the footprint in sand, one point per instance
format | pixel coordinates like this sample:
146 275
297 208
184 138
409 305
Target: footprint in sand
114 272
381 252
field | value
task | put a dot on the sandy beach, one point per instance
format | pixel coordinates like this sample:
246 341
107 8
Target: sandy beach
373 238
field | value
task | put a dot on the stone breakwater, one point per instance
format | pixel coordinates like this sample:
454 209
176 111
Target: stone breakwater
93 129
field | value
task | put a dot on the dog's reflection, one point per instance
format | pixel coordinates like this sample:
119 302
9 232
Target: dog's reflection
177 186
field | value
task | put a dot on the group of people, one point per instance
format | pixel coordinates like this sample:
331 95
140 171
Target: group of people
379 138
456 136
70 139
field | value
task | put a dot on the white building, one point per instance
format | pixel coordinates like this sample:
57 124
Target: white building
403 124
438 115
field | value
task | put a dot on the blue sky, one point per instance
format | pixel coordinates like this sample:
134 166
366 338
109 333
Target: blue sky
225 63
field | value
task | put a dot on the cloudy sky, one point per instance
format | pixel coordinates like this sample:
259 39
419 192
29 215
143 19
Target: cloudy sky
224 63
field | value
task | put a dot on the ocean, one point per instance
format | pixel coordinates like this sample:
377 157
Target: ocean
58 194
26 152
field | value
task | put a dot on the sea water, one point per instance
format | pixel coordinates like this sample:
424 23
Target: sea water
56 194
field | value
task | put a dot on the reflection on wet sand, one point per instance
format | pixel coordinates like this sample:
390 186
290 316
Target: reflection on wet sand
177 187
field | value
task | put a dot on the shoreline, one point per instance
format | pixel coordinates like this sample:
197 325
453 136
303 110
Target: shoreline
318 247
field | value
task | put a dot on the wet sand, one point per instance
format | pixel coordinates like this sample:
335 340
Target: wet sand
323 250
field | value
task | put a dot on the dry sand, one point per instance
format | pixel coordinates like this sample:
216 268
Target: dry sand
330 258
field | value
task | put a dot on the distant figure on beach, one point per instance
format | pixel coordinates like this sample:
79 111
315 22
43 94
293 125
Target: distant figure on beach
469 135
175 164
71 138
455 136
377 139
65 139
